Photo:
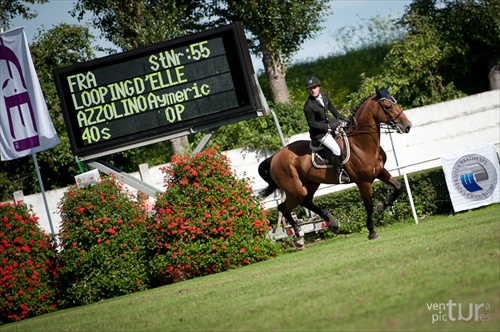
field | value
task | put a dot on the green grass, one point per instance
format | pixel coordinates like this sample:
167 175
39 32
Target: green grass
345 283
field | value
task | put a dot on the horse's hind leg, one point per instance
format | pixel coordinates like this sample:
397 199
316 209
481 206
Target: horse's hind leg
294 195
333 225
386 177
285 209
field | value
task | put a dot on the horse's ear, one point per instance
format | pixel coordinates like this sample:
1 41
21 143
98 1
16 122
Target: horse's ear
379 94
388 86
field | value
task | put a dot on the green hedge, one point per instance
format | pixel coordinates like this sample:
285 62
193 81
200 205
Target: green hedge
207 221
103 250
429 192
27 265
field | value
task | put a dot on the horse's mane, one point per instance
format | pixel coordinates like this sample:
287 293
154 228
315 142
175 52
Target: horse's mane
349 129
355 109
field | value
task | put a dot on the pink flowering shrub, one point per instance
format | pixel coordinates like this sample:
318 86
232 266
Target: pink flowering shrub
103 244
207 221
27 269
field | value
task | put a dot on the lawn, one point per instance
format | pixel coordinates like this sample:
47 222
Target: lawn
442 274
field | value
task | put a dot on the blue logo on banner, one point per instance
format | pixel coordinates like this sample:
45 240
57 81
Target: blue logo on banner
470 180
474 177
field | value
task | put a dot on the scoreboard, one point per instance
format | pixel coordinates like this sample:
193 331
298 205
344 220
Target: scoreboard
136 97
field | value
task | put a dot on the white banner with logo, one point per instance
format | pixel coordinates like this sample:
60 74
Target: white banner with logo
25 124
472 177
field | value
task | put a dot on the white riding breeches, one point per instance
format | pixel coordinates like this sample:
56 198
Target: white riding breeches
330 143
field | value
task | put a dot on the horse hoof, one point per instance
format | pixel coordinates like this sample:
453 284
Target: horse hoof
298 246
334 229
299 243
380 207
333 224
373 236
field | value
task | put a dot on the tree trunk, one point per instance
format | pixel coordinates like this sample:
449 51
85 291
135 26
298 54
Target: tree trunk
494 77
276 76
179 145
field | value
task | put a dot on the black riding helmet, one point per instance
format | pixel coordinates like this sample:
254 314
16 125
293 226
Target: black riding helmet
312 82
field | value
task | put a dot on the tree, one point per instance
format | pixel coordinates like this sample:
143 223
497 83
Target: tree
451 48
9 9
374 33
472 29
135 23
413 68
277 30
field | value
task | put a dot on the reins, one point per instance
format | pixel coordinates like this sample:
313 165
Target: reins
348 129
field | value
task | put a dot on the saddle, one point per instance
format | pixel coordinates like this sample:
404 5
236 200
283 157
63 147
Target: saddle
321 157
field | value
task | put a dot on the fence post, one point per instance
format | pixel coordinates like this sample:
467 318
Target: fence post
410 197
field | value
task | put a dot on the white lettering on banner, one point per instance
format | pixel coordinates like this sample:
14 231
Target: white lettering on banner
25 124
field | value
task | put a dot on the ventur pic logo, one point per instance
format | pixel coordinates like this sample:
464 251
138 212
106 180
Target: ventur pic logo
451 312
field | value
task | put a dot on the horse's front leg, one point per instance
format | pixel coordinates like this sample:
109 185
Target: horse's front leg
365 189
386 177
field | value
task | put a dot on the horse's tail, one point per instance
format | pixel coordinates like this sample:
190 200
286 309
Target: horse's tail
265 174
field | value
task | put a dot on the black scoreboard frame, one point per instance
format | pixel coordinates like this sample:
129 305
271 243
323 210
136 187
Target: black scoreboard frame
158 92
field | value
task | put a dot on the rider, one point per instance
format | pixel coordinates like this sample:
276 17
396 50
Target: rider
321 125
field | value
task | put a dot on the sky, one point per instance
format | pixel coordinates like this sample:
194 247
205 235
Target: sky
342 13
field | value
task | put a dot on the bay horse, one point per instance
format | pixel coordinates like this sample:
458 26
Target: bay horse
291 168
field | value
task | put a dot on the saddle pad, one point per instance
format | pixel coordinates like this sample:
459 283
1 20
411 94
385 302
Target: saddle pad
319 162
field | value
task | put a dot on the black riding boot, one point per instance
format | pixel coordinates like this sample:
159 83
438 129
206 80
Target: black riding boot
337 167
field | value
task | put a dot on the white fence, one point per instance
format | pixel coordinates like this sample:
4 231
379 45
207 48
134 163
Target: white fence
437 129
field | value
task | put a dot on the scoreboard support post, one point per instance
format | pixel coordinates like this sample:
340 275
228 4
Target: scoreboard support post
124 177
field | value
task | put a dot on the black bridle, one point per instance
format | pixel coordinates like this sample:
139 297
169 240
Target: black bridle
391 125
390 99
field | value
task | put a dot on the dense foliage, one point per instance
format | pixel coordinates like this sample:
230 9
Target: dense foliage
450 50
207 221
103 251
413 67
139 23
469 29
27 265
9 9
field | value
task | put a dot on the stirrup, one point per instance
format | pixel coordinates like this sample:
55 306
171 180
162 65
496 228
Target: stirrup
344 177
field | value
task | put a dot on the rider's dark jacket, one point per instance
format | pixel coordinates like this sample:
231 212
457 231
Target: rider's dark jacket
318 118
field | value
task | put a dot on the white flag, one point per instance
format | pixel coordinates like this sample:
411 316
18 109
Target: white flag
472 177
25 124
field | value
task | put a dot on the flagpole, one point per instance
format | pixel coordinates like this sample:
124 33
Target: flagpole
43 194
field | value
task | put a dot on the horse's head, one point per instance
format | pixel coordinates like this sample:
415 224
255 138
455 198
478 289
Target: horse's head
392 114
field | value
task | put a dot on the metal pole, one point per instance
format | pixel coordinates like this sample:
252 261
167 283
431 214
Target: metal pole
394 152
79 164
43 194
410 197
204 141
277 125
